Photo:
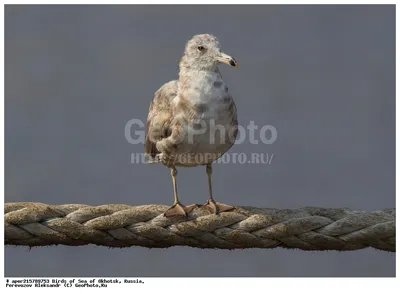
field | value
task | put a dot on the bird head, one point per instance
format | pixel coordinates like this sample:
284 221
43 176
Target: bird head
203 52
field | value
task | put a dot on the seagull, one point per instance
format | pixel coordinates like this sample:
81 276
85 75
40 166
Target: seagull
192 121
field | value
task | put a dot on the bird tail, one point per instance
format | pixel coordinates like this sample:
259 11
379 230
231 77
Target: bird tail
152 159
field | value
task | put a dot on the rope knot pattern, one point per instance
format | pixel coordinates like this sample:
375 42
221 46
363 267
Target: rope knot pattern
119 225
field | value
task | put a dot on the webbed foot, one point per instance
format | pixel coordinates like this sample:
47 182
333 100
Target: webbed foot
217 207
179 209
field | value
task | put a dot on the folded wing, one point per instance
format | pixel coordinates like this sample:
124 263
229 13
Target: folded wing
160 117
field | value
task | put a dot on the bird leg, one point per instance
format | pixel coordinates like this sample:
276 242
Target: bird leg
177 208
216 207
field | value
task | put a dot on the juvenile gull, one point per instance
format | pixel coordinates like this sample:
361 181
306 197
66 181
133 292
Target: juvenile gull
192 121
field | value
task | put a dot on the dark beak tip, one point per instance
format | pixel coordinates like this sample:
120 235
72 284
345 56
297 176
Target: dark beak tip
233 62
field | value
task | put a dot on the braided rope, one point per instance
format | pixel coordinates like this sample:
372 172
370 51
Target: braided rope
118 225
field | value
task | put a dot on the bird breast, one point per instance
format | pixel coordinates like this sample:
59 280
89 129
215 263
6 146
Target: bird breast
204 101
205 93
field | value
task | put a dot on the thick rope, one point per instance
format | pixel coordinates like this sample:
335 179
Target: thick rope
118 225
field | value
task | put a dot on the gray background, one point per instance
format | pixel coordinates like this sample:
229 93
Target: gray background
324 76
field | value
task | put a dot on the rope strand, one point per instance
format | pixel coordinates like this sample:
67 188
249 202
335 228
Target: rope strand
119 225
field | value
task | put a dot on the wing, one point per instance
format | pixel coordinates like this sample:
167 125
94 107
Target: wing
159 118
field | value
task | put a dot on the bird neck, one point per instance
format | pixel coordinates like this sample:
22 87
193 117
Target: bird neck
186 68
194 78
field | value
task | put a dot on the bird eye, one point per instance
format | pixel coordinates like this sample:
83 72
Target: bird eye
200 48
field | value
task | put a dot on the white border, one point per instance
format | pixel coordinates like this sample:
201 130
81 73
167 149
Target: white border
221 285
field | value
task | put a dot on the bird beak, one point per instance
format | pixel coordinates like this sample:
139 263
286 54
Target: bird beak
225 58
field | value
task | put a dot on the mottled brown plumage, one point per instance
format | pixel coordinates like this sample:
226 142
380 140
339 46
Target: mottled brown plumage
192 121
160 116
